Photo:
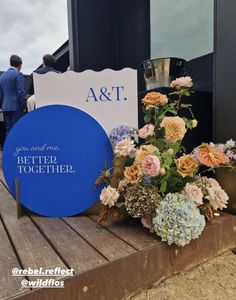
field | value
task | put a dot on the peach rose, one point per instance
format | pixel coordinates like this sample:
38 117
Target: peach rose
151 165
217 197
144 151
133 173
153 99
181 82
174 128
186 165
147 130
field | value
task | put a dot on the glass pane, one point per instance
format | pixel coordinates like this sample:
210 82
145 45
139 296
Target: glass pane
181 28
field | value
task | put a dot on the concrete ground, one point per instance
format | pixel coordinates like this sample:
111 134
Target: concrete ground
212 280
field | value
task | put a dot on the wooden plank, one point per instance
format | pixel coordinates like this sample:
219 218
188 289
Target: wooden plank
132 232
10 285
33 250
2 177
77 252
140 270
102 240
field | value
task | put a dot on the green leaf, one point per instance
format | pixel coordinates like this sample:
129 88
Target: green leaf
160 144
120 204
175 147
185 105
144 109
147 118
163 186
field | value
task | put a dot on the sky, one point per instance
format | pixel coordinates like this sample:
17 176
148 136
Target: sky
31 28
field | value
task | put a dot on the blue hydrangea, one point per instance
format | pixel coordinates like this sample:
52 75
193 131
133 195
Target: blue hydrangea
121 132
146 180
178 220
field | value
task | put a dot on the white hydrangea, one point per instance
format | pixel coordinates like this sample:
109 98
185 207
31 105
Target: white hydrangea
178 220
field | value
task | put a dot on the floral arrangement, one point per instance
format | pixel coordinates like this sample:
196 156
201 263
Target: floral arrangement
155 180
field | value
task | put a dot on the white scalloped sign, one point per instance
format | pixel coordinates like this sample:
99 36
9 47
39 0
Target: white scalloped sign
109 96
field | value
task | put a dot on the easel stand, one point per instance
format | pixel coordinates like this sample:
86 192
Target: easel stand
21 210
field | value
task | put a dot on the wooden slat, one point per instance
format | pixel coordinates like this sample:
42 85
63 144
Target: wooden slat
132 232
75 251
130 274
33 250
104 241
2 177
9 285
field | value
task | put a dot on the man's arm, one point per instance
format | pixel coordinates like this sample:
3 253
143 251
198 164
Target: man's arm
20 90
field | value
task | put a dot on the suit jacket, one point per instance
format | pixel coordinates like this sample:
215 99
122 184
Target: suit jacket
42 70
12 93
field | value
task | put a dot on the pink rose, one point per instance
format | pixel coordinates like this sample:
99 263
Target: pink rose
217 197
147 130
151 165
181 82
193 193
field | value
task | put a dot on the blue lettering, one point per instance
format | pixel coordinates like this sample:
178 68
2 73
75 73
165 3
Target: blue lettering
104 96
92 95
117 88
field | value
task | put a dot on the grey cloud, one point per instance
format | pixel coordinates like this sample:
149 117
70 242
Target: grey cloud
31 28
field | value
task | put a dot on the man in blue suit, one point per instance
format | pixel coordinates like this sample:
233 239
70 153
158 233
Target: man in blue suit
49 63
12 94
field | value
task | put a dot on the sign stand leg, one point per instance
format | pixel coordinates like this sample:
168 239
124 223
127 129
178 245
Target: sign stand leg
21 210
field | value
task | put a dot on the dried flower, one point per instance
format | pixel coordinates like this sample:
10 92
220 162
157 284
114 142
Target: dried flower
204 183
174 128
194 193
133 174
122 185
186 165
181 82
153 99
217 197
124 147
211 156
151 165
178 220
147 130
147 222
109 196
141 200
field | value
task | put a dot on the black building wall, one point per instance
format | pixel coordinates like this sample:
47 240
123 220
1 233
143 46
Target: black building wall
109 34
224 86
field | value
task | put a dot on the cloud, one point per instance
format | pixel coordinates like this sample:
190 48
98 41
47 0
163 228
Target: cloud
31 28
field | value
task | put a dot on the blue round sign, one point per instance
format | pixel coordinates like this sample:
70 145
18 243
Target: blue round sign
57 152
